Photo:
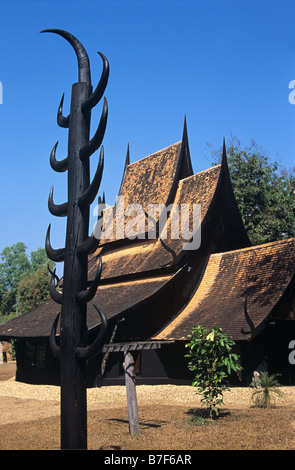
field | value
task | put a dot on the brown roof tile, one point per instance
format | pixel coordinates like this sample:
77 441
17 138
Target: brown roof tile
113 299
146 255
258 275
148 181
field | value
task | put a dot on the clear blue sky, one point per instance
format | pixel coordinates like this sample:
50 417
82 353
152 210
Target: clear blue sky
226 65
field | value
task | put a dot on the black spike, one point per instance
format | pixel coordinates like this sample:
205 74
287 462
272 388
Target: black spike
59 210
53 273
59 166
127 162
87 295
53 344
62 121
88 196
94 348
88 246
54 294
95 97
55 255
90 147
83 60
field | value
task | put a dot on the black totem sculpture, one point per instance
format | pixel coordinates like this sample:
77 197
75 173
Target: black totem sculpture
72 350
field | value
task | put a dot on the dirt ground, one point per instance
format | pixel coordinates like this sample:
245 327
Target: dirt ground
29 419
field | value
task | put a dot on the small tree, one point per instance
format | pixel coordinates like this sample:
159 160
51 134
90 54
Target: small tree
266 389
211 356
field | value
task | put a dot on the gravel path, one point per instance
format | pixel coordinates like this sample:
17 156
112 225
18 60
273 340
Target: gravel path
30 418
115 396
146 394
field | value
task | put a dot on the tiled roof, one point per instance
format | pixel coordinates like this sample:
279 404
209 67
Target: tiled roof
238 291
112 299
148 181
131 269
147 255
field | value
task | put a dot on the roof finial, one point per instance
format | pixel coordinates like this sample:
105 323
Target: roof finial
127 161
184 133
187 169
224 157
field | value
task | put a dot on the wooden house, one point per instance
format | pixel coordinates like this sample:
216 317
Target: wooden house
154 288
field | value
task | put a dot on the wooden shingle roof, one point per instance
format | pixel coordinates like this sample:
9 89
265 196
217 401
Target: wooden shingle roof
144 256
113 299
150 180
134 271
238 291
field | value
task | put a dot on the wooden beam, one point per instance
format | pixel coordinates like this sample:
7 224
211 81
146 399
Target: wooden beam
134 346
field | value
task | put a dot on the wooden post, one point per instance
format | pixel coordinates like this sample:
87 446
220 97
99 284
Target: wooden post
129 370
131 393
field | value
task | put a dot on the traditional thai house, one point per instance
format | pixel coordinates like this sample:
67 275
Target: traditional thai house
156 289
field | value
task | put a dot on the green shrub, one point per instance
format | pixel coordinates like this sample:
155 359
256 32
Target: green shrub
211 357
265 390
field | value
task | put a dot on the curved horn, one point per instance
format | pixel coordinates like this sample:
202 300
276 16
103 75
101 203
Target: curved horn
62 121
83 60
53 273
86 295
88 246
94 348
54 294
89 148
55 255
57 210
89 194
99 90
53 344
59 166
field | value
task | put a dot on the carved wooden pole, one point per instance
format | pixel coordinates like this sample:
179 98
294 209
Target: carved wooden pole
73 351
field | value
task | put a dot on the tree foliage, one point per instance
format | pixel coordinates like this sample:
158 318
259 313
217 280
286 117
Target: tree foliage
14 263
266 389
21 277
211 357
33 289
264 193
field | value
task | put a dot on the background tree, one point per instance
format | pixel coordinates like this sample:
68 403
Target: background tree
14 263
16 268
265 194
33 289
